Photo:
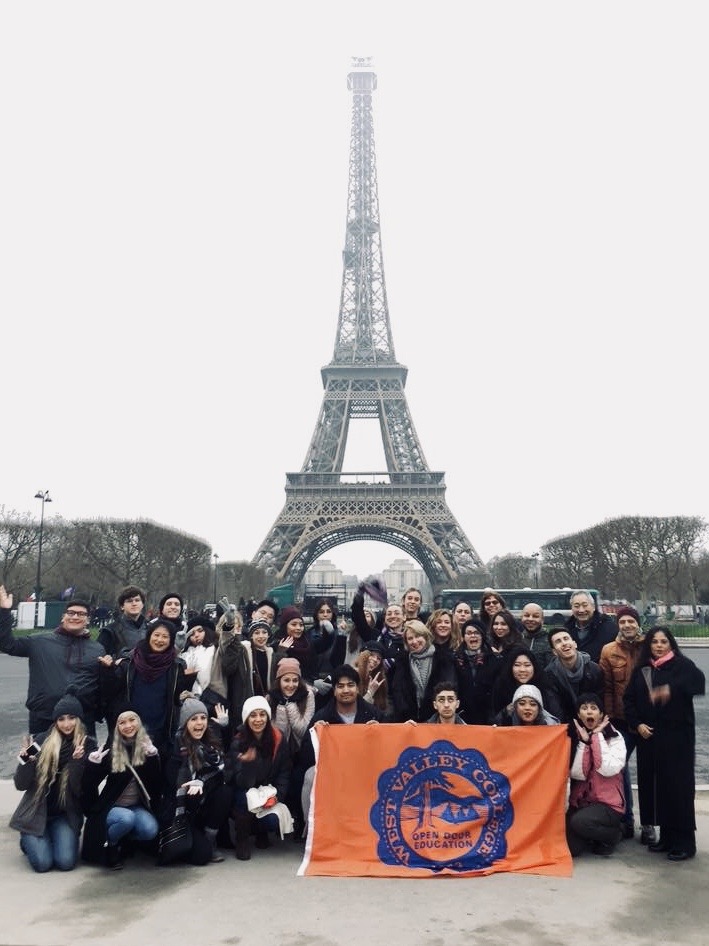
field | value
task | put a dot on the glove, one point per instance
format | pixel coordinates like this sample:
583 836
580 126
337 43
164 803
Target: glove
326 627
376 589
322 687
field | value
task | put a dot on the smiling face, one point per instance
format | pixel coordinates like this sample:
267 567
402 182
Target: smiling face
264 613
522 669
196 725
128 725
159 640
172 609
289 684
565 647
532 618
500 628
442 628
259 638
492 604
374 661
295 628
628 627
582 608
415 643
412 603
345 694
75 619
394 617
527 710
66 724
257 720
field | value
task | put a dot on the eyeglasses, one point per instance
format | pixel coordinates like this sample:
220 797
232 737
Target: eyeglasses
76 614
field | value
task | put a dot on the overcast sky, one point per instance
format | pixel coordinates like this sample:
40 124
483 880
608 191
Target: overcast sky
173 186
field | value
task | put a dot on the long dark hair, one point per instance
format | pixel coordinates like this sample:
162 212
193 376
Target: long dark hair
645 654
300 696
264 746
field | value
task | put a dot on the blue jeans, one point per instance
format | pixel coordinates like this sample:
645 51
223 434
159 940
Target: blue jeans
134 821
57 847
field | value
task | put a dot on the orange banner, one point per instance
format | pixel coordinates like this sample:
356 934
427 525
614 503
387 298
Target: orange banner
431 800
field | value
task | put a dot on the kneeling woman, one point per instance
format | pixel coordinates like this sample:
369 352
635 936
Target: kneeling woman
527 709
124 809
49 817
258 756
195 783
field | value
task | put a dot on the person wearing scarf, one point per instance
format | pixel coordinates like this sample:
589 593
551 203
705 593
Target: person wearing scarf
151 679
417 672
475 667
659 707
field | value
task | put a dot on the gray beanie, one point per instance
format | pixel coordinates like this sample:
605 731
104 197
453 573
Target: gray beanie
68 705
189 709
528 689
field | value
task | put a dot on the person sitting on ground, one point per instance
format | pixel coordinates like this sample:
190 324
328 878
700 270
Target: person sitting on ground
194 783
49 816
124 810
527 709
258 757
596 800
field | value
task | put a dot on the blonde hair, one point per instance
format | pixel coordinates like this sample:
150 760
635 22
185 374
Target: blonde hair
419 629
455 637
120 756
48 763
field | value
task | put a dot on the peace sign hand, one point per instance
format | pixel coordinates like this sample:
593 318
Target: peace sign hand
78 752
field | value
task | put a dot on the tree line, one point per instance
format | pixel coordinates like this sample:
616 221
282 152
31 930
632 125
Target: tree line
95 558
633 558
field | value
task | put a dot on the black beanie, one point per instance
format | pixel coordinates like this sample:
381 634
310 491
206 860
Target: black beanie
68 705
170 594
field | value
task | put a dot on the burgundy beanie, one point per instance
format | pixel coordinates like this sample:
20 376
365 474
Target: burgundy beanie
627 610
288 614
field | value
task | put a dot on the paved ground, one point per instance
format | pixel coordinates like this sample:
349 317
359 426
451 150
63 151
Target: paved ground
630 899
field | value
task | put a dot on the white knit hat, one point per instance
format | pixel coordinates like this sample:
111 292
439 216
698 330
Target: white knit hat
528 689
254 703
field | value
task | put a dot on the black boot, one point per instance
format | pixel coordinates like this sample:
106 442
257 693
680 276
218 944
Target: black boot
113 857
242 837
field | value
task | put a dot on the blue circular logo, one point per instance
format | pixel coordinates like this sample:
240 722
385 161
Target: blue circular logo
442 808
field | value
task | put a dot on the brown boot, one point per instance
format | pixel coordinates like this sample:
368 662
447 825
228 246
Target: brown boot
242 837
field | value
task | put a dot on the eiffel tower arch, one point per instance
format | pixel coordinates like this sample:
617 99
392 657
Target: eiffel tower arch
405 505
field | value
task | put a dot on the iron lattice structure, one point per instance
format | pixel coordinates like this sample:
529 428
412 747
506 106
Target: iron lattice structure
404 506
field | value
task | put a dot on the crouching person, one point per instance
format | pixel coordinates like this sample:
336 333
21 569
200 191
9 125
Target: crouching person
259 758
596 800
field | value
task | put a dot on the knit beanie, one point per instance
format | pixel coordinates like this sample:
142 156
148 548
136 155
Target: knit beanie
288 614
68 705
263 625
254 703
373 647
170 594
288 665
528 689
627 611
202 621
190 708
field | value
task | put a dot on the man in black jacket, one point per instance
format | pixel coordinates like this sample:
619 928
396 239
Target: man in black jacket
570 673
589 627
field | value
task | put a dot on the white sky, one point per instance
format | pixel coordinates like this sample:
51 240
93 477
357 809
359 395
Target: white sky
173 184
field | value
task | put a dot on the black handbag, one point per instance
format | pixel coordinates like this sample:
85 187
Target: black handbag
175 842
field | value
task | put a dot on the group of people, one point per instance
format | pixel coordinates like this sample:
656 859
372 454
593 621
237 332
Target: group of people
209 723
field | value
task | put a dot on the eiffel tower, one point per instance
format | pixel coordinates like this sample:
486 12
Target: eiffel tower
404 506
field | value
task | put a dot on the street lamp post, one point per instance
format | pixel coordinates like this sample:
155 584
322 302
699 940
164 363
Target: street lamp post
535 556
46 498
216 562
